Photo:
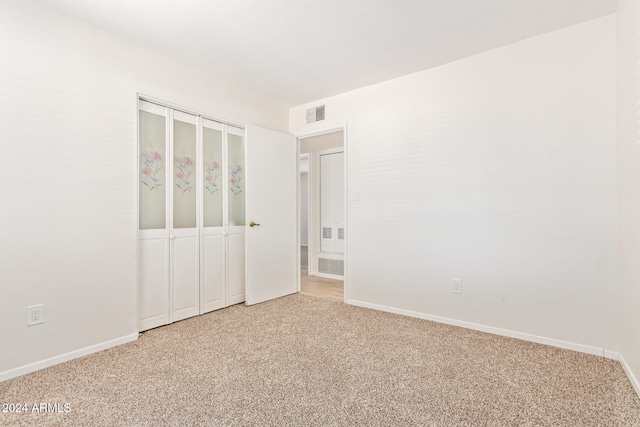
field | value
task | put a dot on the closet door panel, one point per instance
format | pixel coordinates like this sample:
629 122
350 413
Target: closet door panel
235 288
213 256
185 253
185 283
213 271
153 299
235 190
153 230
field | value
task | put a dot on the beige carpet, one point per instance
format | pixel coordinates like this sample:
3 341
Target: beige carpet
301 361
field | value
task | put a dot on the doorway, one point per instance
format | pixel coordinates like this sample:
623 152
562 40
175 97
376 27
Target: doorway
323 215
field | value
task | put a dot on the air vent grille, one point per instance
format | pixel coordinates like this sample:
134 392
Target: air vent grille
326 232
331 266
315 114
340 233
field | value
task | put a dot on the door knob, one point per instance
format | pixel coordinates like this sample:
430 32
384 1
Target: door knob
253 224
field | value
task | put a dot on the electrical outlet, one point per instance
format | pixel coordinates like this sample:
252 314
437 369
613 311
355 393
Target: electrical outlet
457 286
35 314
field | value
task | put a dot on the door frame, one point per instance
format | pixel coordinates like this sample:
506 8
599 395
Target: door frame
316 132
299 216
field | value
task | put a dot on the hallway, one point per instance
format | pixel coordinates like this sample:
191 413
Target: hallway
318 286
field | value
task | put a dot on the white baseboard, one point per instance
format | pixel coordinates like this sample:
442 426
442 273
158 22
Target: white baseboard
328 276
630 375
492 330
613 355
32 367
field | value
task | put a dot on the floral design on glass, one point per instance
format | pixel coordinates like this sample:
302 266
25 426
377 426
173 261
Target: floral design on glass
211 175
235 181
151 167
183 175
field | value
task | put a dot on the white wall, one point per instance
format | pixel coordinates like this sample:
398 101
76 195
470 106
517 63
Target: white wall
498 169
628 26
68 177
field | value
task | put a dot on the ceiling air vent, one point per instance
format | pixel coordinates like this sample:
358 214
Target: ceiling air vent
315 114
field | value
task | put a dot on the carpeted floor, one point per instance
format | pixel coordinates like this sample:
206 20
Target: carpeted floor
302 361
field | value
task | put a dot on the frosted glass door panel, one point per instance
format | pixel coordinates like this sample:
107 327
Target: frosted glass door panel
212 177
332 202
184 174
236 178
152 200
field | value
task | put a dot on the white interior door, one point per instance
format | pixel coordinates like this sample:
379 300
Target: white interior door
271 191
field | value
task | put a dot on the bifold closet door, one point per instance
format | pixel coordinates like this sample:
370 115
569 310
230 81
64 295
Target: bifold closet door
191 247
184 252
212 266
153 234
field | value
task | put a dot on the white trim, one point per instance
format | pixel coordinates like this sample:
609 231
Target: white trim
345 146
32 367
613 355
302 156
582 348
632 378
327 151
136 185
328 276
200 209
173 106
170 171
298 222
323 130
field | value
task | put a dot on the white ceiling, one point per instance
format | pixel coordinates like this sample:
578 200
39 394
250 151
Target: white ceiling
297 51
